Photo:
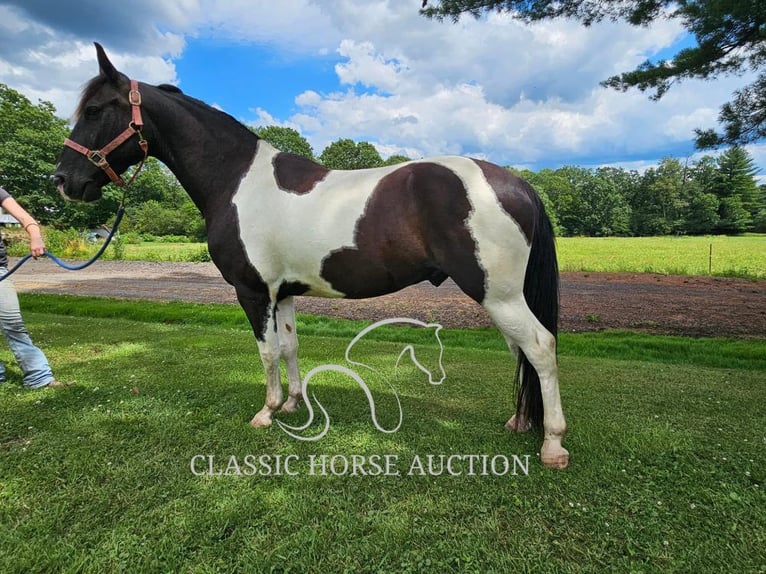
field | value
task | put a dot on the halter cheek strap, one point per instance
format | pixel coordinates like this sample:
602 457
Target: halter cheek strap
98 157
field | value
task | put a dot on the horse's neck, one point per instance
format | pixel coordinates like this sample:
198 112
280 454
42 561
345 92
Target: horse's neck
207 151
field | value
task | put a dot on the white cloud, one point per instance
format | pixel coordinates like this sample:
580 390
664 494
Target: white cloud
366 66
293 26
517 94
44 64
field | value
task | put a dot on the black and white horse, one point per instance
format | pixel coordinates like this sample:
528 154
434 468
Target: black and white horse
279 225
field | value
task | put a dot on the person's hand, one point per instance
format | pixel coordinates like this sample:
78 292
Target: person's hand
36 246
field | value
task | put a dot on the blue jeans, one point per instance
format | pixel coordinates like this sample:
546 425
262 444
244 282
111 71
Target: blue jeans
34 365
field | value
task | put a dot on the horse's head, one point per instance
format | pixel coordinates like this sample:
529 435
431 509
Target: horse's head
105 126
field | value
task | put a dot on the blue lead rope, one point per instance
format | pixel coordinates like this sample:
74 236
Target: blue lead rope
59 262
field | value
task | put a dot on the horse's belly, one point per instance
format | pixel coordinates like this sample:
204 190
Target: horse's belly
320 291
279 271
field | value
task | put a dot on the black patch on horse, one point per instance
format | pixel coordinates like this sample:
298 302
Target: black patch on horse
291 289
413 229
296 174
514 194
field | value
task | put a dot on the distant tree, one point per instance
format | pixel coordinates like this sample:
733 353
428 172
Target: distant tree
701 214
607 199
737 190
286 139
585 202
759 222
734 218
564 188
346 154
158 204
659 206
704 172
31 137
155 218
730 36
395 159
66 214
736 176
156 182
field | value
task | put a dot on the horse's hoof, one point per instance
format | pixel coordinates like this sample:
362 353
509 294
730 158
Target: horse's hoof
262 419
554 456
517 424
291 405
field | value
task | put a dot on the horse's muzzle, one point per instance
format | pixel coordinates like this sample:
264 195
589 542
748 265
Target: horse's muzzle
59 180
89 190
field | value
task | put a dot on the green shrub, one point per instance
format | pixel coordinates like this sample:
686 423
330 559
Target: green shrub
201 256
118 247
131 238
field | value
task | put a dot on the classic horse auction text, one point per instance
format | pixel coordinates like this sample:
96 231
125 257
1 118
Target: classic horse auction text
265 465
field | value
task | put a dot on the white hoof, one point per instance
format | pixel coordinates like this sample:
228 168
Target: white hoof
553 455
263 418
291 405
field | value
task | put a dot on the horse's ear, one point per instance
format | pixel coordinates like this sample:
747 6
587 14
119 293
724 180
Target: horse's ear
105 66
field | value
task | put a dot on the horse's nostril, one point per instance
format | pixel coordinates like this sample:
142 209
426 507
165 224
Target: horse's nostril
58 183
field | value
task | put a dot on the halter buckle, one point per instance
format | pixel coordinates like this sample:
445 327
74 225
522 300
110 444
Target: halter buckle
134 97
96 158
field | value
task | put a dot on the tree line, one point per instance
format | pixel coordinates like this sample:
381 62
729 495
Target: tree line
710 195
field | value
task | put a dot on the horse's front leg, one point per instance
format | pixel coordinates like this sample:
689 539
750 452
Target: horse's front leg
260 312
288 347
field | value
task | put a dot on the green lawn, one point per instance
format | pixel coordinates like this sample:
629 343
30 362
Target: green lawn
741 256
666 435
158 251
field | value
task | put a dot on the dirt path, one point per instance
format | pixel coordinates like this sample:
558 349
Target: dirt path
694 306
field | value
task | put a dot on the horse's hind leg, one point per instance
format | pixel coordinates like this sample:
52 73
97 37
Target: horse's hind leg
522 329
288 348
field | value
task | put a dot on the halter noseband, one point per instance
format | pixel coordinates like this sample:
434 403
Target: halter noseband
98 157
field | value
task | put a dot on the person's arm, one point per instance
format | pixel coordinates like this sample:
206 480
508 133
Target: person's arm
36 243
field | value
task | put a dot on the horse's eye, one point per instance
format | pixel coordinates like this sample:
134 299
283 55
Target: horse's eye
92 112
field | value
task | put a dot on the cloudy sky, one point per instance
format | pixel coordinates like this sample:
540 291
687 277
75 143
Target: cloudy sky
375 70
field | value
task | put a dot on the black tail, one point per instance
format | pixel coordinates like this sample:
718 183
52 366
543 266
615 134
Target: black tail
541 291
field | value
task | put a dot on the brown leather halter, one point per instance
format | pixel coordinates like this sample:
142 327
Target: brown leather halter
98 157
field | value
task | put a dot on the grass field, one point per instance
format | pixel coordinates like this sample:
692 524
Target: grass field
742 256
666 435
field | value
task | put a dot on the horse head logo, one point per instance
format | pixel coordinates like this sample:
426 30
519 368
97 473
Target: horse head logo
408 350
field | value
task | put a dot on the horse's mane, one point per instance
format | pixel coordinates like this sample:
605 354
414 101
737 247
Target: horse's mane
90 89
176 93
